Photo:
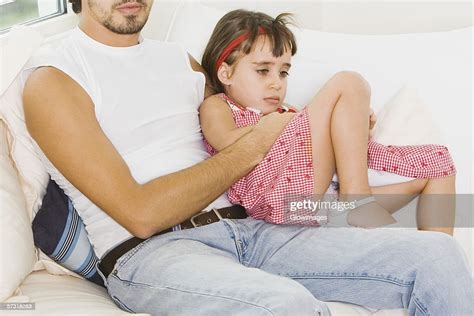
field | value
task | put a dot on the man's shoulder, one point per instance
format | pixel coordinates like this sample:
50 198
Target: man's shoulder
56 80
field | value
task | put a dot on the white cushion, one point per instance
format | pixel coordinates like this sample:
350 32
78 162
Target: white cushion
17 252
54 295
196 19
33 175
406 120
22 42
425 61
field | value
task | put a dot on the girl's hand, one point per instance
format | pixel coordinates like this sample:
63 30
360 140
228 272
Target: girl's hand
372 121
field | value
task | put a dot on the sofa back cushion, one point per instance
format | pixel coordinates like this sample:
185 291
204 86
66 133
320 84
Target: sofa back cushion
22 43
17 251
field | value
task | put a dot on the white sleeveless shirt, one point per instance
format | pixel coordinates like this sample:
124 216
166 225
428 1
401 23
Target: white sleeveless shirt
146 100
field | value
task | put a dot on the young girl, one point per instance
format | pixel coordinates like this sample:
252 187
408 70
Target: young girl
248 59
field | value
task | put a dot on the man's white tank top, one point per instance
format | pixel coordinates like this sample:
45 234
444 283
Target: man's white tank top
146 100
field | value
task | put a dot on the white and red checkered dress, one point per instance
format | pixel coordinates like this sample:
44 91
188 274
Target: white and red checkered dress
287 169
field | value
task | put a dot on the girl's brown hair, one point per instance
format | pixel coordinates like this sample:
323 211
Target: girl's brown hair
238 22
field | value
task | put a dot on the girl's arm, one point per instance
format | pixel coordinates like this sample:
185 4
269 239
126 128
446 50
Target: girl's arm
217 123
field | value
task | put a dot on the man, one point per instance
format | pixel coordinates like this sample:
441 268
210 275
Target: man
115 117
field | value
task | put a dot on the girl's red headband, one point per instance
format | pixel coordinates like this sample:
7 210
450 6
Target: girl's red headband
236 42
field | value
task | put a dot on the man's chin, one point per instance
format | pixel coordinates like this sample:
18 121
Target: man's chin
127 27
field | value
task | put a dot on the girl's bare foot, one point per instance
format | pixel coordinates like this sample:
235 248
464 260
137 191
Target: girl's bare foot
365 213
370 215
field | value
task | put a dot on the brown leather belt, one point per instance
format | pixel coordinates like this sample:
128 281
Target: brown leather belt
107 263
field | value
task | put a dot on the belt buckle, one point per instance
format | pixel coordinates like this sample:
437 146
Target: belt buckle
204 212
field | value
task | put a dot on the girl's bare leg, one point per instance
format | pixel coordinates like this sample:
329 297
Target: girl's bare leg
339 131
436 203
320 113
395 196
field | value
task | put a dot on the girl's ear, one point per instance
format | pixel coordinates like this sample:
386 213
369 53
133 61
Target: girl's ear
224 74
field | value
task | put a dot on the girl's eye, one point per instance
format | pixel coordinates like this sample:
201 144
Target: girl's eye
262 71
284 74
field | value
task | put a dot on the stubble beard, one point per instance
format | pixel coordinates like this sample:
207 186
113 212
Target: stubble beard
130 24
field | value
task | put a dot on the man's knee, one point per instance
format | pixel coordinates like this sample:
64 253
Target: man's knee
353 82
438 247
444 266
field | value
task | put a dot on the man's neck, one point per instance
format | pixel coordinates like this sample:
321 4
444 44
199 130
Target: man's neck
102 34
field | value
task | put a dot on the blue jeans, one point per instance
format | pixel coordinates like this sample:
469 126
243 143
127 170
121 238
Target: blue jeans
250 267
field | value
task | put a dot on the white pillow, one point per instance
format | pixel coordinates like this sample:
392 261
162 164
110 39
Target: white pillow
438 65
408 111
33 175
17 251
196 19
22 42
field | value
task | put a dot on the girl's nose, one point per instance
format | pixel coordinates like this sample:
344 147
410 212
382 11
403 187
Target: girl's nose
276 82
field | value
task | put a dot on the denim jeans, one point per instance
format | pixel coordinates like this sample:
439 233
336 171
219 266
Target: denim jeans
250 267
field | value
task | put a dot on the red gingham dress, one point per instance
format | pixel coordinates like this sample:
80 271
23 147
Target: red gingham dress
287 169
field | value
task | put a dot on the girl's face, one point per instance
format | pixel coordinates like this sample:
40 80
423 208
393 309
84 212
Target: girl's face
259 79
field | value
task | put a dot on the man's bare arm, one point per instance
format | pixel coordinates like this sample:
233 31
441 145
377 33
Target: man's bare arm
60 117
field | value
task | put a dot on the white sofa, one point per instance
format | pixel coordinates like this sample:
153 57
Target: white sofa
27 276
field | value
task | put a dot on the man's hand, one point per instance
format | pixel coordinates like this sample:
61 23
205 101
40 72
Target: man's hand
269 128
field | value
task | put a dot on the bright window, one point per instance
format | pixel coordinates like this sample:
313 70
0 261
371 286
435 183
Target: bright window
28 11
